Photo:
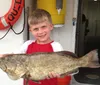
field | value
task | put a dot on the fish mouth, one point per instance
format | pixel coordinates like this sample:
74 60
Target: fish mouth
15 76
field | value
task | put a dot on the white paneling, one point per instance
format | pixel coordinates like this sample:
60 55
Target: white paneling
12 41
3 9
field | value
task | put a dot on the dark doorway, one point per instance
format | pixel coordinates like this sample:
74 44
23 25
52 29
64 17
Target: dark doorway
88 26
88 36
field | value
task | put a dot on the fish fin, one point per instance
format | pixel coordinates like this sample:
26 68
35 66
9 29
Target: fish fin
76 71
63 75
94 64
35 81
38 82
26 82
68 53
94 60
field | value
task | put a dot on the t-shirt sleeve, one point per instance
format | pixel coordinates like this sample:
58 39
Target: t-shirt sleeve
24 47
57 46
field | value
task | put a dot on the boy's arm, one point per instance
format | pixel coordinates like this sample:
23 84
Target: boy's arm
57 46
4 55
24 47
1 55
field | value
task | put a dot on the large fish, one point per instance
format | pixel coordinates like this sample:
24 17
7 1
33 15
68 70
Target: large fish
38 65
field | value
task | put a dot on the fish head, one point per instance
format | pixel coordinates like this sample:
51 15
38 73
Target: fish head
15 76
16 73
3 60
2 64
13 70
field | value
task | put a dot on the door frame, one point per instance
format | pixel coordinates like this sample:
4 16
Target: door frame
78 25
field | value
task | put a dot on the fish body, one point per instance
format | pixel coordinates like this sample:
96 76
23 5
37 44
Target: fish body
38 65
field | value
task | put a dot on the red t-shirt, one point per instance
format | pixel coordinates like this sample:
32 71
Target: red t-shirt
34 47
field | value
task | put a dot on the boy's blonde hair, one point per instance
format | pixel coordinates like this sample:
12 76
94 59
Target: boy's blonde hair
38 16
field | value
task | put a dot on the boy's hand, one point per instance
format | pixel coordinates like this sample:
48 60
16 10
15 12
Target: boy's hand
52 75
1 55
4 55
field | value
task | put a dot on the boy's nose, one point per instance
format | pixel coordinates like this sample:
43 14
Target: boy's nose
40 30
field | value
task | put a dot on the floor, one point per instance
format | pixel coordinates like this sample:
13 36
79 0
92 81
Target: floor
81 78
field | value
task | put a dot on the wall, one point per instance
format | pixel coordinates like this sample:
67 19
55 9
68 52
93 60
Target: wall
12 41
65 35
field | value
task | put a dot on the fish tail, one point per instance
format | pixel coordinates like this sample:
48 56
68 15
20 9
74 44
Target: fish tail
93 59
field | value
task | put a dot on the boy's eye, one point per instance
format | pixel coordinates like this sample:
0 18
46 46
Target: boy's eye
43 27
35 29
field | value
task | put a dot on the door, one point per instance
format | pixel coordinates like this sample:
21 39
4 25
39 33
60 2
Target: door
88 26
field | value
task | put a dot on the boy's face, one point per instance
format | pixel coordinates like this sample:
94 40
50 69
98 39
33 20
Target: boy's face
41 32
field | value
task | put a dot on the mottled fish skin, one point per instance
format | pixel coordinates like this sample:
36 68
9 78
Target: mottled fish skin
38 65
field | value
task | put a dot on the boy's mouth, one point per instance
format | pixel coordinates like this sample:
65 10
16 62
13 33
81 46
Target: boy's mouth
42 36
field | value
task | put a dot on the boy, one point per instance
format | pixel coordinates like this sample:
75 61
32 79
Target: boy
40 25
